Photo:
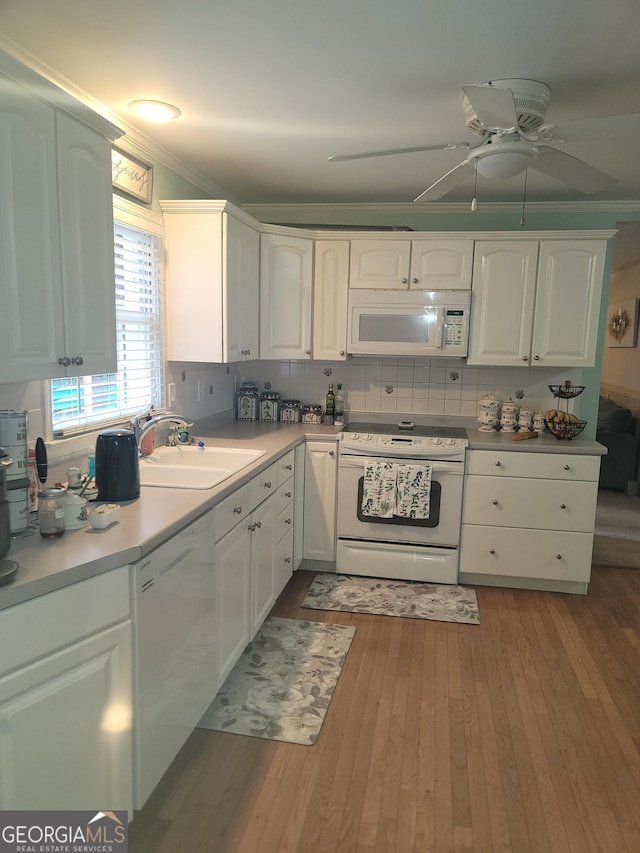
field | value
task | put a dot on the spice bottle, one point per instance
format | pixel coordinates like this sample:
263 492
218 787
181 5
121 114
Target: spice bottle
51 512
329 408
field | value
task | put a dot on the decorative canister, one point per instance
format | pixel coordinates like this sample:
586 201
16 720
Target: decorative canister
488 412
508 416
247 399
290 412
525 418
269 406
538 422
311 414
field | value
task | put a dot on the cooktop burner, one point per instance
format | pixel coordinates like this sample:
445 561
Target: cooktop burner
407 428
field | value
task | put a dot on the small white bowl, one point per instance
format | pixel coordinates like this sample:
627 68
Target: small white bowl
103 516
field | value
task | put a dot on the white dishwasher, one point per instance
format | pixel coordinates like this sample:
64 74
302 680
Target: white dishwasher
175 663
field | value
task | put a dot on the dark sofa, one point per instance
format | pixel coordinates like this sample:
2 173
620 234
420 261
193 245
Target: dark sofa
619 431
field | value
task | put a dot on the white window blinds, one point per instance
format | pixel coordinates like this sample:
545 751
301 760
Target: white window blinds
84 402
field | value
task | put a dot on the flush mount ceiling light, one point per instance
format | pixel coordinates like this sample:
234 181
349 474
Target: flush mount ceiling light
155 111
503 158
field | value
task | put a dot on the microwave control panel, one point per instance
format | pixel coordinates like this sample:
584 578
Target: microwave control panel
455 327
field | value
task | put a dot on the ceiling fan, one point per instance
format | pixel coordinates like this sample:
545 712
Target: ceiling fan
508 116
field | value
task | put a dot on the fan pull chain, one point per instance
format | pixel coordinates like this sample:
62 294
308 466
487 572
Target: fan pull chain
524 196
474 200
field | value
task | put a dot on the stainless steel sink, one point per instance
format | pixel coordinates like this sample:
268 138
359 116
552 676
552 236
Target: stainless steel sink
194 467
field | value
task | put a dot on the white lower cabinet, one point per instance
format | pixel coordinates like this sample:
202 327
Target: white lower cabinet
254 555
528 519
65 699
320 498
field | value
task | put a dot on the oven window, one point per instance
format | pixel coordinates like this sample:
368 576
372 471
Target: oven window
434 510
396 328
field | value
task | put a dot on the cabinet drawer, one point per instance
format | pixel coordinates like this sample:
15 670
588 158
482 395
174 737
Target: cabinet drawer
284 522
517 502
233 509
544 466
515 552
264 484
286 466
283 495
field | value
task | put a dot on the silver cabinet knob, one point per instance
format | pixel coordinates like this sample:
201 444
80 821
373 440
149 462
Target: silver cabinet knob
495 503
563 506
308 351
404 280
258 524
251 527
65 361
492 550
536 358
332 453
498 463
78 359
267 485
567 467
415 280
287 521
237 510
287 494
525 358
287 559
341 352
558 556
288 467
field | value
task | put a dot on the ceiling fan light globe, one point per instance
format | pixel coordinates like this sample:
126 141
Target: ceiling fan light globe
504 165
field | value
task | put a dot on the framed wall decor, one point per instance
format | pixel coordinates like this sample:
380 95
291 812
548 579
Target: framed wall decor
132 176
622 323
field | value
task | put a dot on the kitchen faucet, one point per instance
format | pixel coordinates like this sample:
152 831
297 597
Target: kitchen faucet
150 421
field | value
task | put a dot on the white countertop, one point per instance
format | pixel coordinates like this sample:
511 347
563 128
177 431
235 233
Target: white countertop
545 443
145 523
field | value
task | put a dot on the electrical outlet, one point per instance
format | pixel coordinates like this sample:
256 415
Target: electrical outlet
200 389
171 393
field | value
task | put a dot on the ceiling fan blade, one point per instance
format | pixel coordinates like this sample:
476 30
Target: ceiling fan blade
444 184
443 146
494 106
571 171
587 129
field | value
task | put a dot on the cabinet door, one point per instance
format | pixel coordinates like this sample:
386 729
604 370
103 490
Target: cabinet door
241 291
380 264
330 297
233 577
503 294
66 734
262 562
283 562
320 484
285 298
31 323
441 264
568 295
86 227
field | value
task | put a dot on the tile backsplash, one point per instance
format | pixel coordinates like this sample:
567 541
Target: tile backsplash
418 386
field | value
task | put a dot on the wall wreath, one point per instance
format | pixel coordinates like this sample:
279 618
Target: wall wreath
622 325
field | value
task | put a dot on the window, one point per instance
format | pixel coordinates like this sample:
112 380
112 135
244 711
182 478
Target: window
82 403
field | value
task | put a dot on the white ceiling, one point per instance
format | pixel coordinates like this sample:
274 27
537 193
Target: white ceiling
269 90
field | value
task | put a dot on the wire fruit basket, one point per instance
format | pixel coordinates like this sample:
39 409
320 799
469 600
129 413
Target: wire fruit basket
566 391
565 429
560 422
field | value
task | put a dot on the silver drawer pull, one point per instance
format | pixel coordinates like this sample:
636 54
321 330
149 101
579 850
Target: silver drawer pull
563 506
495 503
287 559
258 524
558 556
492 550
498 463
267 485
251 527
288 467
237 510
567 467
287 494
287 521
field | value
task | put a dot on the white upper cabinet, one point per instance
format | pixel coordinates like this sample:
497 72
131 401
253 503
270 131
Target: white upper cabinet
286 282
213 282
56 241
330 298
536 303
411 264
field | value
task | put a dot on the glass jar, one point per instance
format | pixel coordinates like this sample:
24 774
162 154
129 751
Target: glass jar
269 406
311 414
51 512
290 412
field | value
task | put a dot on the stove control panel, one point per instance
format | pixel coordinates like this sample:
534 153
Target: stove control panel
397 445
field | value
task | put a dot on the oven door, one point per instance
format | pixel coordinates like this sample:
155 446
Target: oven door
441 528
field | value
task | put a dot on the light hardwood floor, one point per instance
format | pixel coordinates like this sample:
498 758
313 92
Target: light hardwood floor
521 734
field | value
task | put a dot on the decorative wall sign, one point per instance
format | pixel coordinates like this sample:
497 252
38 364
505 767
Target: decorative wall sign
622 323
131 176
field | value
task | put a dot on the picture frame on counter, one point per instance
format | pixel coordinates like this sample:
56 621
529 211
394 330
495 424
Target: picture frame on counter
131 176
622 323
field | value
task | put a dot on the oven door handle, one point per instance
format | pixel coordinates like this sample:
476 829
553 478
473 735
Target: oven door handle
437 467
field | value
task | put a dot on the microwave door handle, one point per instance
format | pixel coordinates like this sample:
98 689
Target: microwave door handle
439 327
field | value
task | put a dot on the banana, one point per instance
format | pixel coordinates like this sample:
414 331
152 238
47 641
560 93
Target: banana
550 414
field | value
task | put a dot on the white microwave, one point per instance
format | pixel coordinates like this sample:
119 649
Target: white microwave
411 322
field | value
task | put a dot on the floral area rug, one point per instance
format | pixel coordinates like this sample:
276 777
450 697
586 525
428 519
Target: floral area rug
411 599
281 686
